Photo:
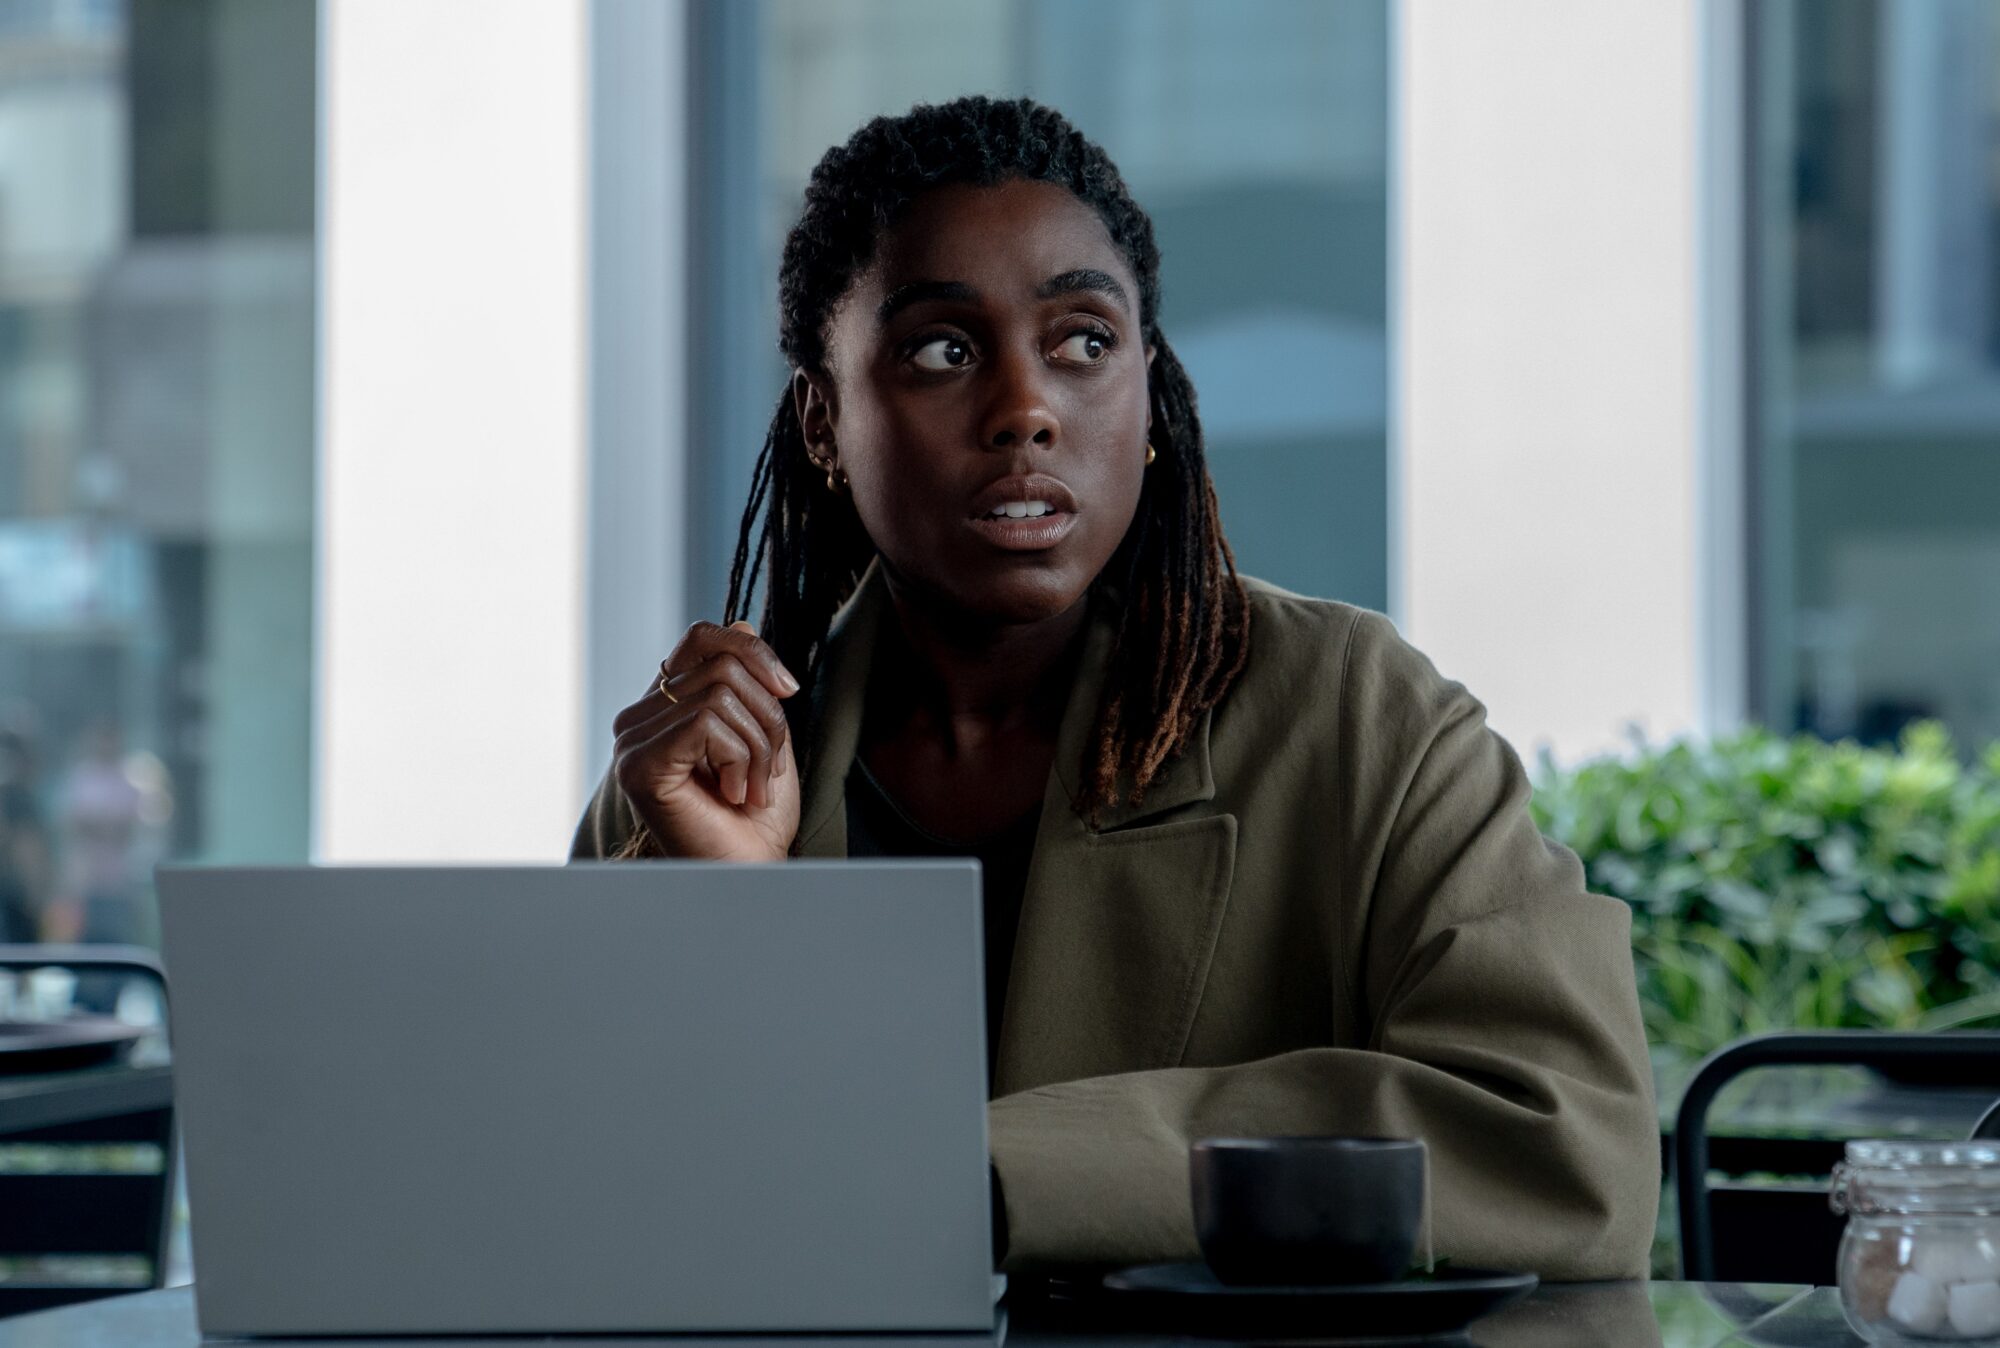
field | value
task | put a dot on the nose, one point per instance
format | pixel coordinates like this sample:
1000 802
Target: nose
1017 413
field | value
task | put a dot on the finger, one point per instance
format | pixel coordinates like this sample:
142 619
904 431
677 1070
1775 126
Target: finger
644 759
785 678
686 741
721 699
638 734
649 716
650 704
727 754
705 641
749 690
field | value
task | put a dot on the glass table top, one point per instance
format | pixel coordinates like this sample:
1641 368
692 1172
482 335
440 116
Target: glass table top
1642 1315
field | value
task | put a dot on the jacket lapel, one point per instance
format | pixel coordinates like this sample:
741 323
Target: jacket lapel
1118 922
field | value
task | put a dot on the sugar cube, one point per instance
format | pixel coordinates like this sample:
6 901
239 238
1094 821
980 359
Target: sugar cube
1949 1258
1917 1304
1974 1308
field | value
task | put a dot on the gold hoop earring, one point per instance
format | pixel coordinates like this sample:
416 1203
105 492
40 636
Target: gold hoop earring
835 478
1149 453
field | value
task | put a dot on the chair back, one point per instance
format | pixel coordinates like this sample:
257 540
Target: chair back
1788 1232
87 1156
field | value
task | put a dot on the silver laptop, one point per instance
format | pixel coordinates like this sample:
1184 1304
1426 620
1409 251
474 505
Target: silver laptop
646 1098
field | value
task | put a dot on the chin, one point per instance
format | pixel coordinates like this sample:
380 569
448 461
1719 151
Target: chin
1019 594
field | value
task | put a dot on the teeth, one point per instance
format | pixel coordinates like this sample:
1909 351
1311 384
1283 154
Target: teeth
1022 510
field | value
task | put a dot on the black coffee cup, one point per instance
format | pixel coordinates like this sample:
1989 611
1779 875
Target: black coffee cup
1305 1211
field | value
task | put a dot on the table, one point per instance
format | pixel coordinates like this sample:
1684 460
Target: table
1625 1315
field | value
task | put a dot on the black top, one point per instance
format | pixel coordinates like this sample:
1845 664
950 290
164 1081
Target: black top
878 827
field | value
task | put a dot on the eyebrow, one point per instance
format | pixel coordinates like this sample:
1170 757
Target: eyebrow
1075 281
1082 279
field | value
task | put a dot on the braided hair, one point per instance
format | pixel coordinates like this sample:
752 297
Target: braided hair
1183 620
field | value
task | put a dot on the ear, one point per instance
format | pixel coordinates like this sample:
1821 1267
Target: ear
812 398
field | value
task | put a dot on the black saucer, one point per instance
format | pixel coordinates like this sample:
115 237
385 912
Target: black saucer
61 1045
1444 1303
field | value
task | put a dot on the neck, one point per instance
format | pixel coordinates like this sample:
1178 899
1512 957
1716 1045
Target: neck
972 678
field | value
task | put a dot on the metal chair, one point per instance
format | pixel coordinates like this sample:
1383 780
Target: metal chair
112 1216
1988 1126
1787 1232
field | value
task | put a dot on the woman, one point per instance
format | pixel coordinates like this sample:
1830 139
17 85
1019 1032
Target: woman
1251 864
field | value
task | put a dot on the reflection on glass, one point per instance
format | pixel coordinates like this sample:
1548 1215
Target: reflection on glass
1661 1314
1876 476
1815 1318
1255 134
156 320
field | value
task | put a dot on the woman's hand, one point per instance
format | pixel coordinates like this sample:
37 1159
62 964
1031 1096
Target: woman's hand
709 769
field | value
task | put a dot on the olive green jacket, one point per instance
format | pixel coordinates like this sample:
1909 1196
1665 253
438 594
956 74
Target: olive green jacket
1332 914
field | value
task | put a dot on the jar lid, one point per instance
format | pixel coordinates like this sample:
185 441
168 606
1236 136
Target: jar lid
1892 1154
1942 1178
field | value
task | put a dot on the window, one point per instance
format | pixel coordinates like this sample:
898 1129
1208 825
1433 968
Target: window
156 449
1875 304
1255 135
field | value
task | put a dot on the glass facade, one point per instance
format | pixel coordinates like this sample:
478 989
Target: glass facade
1875 306
156 449
1254 134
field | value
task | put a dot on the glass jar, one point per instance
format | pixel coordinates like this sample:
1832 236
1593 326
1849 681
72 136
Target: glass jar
1920 1261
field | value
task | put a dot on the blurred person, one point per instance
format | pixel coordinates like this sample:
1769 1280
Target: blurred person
1251 865
110 814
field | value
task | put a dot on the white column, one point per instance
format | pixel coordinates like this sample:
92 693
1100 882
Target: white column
451 504
1547 399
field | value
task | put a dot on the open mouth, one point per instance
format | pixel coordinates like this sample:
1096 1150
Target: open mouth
1021 510
1024 532
1025 512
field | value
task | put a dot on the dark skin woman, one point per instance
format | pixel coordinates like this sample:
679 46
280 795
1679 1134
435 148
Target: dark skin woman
1251 865
1010 367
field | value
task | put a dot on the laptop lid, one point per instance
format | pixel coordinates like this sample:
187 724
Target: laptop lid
641 1097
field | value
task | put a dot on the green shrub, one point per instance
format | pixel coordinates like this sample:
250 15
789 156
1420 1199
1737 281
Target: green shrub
1792 883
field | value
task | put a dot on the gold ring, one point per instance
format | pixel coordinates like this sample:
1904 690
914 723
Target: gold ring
668 691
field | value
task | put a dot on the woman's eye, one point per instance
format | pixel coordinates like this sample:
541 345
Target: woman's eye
1088 346
941 353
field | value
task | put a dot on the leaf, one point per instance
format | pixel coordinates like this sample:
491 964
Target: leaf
1788 882
1738 899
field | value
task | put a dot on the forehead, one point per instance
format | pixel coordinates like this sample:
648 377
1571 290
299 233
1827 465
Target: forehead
1002 240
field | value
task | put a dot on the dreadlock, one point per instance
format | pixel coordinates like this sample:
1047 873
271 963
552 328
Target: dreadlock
1183 623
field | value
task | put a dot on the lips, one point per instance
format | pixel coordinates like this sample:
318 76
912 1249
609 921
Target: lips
1025 490
1027 513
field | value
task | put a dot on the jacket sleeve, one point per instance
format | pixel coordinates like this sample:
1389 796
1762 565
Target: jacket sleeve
1496 1015
607 823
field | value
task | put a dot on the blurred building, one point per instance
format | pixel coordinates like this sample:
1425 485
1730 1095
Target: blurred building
156 402
1875 323
378 386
